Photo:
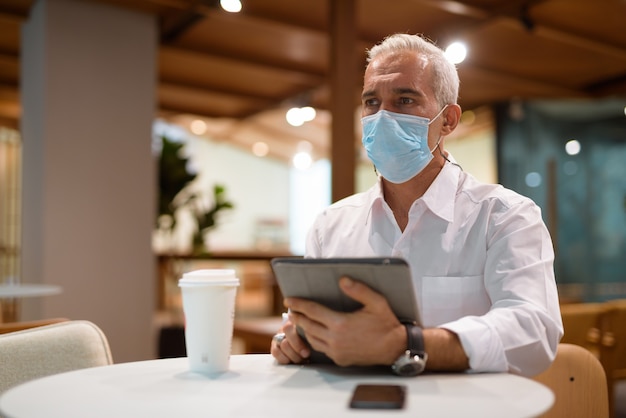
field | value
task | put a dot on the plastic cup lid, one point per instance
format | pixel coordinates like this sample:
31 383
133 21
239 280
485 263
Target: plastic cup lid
209 277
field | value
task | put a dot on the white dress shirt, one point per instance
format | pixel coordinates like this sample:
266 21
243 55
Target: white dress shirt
481 260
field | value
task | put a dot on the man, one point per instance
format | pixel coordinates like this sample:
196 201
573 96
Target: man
481 257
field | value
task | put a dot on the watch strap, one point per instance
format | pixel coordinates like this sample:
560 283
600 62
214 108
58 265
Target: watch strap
413 361
414 339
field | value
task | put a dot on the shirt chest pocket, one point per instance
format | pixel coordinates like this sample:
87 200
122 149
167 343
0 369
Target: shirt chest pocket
445 299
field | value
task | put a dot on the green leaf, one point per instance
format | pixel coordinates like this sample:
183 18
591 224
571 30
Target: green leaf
173 176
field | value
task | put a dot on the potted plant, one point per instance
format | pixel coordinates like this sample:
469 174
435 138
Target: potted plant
175 193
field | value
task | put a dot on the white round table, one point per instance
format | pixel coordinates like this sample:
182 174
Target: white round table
256 387
23 290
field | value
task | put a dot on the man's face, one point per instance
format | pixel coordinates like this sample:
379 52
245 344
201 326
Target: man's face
401 83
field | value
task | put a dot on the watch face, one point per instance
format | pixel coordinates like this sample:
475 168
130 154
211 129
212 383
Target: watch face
409 366
409 369
420 365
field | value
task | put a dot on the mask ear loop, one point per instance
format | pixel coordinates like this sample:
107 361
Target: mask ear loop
445 157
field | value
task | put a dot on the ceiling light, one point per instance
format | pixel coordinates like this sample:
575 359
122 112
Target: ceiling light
456 52
572 147
198 127
260 149
232 6
308 113
294 116
305 146
302 160
533 179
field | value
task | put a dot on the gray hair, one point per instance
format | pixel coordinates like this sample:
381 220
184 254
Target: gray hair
445 76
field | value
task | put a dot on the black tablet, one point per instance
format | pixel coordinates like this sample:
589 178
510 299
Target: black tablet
317 279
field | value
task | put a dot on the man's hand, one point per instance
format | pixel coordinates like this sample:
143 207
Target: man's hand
292 349
371 335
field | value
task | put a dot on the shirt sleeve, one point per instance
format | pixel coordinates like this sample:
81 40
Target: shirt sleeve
312 246
521 331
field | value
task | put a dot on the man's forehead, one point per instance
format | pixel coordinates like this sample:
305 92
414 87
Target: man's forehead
393 61
403 68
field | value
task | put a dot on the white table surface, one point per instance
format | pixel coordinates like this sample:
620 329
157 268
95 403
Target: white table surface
256 386
11 293
23 290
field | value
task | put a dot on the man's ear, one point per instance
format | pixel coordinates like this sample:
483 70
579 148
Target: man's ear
451 118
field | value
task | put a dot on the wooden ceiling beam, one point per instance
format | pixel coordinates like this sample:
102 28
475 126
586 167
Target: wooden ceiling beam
550 89
174 25
612 87
193 54
10 110
343 57
213 90
512 12
13 14
580 41
459 8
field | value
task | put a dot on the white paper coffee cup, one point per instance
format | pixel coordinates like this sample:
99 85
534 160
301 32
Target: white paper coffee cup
209 307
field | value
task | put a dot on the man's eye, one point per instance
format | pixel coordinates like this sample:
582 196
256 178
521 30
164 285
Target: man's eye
405 100
370 102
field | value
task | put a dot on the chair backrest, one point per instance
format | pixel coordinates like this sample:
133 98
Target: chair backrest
613 345
613 341
51 349
581 322
579 384
6 327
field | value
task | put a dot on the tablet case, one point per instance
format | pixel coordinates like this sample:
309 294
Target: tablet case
317 279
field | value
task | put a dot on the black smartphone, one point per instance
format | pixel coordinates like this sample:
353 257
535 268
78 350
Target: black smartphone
378 397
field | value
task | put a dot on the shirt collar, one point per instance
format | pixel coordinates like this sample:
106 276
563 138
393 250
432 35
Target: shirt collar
439 198
441 195
376 198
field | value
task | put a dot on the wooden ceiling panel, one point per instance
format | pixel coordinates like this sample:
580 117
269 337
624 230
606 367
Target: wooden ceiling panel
306 14
174 98
274 125
479 86
506 46
256 40
227 75
244 68
379 19
271 128
9 35
15 8
9 104
9 70
600 20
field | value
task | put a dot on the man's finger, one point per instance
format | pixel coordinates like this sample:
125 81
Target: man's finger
309 309
360 292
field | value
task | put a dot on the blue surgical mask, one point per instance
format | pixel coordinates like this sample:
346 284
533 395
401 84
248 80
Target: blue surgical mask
397 144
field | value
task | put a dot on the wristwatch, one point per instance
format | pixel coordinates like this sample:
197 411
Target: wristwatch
413 361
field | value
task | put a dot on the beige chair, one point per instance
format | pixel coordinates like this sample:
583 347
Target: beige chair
613 345
579 384
581 322
51 349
